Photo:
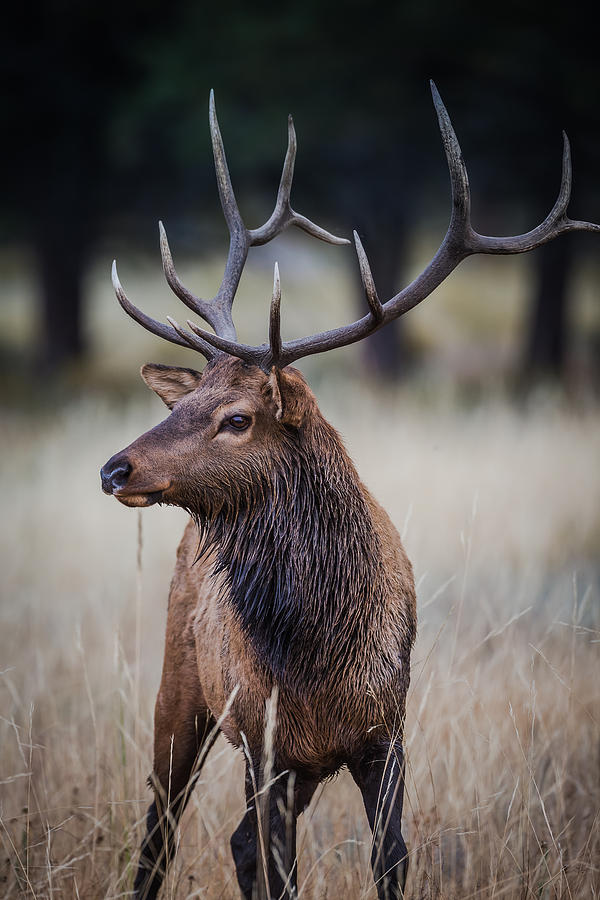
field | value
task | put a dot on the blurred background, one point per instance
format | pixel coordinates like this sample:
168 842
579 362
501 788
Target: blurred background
474 420
105 132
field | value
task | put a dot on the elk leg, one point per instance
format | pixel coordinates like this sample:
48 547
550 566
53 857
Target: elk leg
380 776
176 768
182 725
278 877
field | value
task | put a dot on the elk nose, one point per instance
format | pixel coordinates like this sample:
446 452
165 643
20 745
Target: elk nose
114 475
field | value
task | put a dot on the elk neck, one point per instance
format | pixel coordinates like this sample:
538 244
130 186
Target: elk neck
302 559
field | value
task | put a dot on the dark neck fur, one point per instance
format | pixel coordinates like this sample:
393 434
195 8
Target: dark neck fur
300 556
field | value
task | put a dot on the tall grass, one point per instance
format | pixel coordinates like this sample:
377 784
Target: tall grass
500 512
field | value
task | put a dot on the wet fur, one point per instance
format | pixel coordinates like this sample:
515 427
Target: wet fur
300 581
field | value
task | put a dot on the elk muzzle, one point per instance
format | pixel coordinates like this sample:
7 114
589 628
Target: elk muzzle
120 478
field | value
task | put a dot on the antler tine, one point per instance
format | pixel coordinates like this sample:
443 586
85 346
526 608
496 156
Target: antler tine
265 356
254 355
150 324
210 312
275 343
193 342
228 201
367 280
556 222
283 215
564 194
459 180
238 235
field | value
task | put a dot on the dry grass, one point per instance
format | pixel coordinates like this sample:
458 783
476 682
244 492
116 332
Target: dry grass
500 511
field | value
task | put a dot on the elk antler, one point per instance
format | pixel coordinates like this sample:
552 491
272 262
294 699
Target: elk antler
460 241
217 311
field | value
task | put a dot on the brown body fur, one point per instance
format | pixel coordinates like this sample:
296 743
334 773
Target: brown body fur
300 582
206 645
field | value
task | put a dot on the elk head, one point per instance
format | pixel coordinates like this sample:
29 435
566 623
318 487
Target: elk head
230 424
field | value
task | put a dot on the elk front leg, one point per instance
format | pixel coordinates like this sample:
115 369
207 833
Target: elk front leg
270 832
380 776
182 725
179 741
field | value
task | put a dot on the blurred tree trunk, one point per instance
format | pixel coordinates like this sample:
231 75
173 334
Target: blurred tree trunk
547 334
61 262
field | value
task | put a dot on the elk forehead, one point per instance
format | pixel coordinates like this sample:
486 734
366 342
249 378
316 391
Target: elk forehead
229 375
228 380
229 383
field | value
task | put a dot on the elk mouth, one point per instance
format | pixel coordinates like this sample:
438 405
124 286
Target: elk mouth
142 499
140 494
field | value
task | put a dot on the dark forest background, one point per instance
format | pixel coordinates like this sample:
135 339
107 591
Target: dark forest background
105 130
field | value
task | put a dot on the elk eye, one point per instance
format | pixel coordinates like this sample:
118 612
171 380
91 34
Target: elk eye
240 423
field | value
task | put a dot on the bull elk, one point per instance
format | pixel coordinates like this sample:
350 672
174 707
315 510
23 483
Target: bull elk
290 581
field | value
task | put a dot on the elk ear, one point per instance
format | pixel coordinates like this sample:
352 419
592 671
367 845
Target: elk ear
291 395
171 383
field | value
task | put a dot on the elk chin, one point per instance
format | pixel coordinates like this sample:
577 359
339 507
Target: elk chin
140 499
129 496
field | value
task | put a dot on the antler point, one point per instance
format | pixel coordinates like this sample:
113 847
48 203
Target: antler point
291 130
212 112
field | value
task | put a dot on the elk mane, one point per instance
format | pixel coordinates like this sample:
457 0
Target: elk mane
290 583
